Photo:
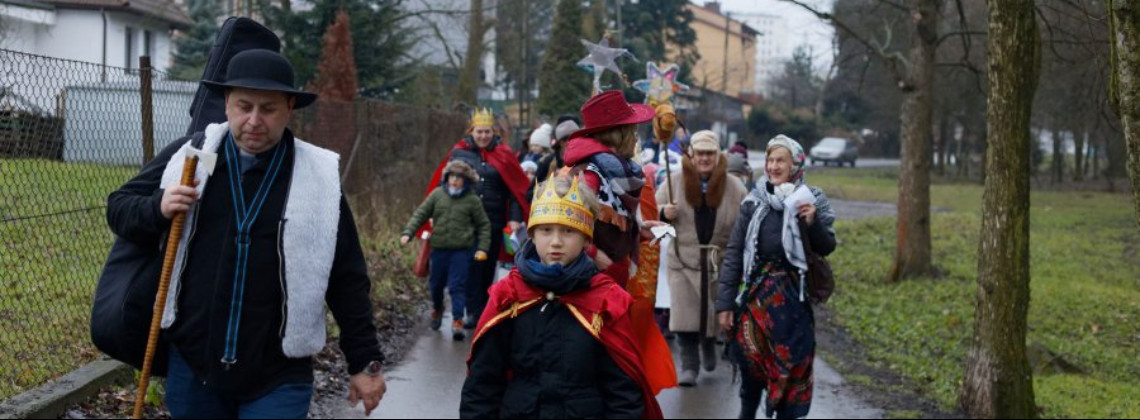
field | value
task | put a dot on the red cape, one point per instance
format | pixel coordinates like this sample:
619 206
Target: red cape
505 162
604 299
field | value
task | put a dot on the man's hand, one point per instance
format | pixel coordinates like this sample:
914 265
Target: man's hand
670 211
404 239
515 226
362 387
177 199
480 256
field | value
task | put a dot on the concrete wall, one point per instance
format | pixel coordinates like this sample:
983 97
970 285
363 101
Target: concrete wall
102 124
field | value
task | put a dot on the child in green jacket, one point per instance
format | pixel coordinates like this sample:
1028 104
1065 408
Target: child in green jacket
458 221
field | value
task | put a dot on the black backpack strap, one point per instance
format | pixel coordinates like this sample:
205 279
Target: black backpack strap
197 140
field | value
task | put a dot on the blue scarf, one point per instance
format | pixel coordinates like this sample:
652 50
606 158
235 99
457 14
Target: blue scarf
555 277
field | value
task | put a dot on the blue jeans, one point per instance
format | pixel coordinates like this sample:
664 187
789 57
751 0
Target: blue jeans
449 269
186 397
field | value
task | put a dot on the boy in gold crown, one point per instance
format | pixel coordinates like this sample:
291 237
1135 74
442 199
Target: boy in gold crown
556 339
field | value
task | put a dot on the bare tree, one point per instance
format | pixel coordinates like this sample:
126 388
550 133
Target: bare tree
914 74
1126 82
999 381
469 79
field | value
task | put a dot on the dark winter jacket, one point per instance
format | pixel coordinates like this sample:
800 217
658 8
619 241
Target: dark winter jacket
768 243
498 202
456 221
544 364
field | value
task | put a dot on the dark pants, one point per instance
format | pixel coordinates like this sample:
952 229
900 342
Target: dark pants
751 394
186 398
449 269
482 274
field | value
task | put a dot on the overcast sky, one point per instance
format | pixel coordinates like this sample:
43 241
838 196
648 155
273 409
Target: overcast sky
805 27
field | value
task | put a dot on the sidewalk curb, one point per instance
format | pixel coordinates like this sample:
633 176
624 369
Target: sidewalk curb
52 399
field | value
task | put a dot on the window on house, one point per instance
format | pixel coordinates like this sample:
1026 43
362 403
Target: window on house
129 50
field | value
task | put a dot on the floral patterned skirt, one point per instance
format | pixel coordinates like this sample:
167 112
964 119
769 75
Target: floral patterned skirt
774 340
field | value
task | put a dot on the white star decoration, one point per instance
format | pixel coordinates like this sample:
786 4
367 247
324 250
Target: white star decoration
602 58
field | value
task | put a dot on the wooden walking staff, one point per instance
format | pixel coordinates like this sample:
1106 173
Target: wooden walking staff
172 241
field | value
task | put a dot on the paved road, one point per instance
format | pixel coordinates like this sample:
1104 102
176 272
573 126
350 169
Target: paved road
757 162
428 384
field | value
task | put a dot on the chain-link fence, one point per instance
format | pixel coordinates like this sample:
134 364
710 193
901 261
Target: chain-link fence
70 133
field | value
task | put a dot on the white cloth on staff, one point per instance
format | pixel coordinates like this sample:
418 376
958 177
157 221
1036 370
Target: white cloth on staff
663 294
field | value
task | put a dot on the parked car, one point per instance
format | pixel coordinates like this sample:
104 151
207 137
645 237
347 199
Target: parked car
834 149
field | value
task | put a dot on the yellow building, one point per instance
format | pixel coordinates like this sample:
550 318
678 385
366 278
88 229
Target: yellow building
736 76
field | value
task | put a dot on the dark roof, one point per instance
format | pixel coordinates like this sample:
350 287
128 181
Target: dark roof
166 10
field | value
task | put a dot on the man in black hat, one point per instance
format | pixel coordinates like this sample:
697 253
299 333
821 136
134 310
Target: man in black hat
269 240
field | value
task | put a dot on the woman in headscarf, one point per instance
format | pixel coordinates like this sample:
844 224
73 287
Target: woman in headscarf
762 299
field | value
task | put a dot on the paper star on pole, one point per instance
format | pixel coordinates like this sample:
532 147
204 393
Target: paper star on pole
601 58
660 84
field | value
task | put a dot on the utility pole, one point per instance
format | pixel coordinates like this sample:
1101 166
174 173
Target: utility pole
724 67
617 26
724 76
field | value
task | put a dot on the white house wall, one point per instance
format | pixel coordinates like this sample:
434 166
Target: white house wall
19 35
78 35
21 26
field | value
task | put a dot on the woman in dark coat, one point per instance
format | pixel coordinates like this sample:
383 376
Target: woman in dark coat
762 298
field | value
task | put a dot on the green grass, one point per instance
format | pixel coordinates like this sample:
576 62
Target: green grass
1085 270
54 242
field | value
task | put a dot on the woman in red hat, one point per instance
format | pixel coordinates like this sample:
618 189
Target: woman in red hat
602 152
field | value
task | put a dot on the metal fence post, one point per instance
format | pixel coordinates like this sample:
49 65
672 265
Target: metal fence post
147 109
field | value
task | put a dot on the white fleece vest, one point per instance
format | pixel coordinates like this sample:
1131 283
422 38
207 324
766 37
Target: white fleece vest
312 214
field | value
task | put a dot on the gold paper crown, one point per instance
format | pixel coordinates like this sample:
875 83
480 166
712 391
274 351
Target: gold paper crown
569 210
482 118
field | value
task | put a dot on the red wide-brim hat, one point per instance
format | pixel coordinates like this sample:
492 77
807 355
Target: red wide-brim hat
609 110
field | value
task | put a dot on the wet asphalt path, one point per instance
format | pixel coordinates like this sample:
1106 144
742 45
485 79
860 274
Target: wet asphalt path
428 383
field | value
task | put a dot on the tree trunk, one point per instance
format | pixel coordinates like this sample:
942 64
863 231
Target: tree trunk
999 381
1126 52
469 79
1079 157
948 131
963 153
912 255
1097 145
1058 167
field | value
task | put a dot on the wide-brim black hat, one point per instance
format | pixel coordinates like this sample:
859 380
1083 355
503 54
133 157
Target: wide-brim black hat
262 70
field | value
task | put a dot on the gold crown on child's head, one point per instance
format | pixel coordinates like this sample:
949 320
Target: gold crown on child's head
482 118
569 210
